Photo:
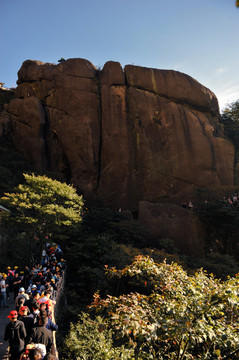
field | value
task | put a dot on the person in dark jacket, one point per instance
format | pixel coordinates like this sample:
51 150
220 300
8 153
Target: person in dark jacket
40 334
35 313
27 320
17 280
33 300
15 333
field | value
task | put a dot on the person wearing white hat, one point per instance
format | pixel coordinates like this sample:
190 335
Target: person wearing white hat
21 295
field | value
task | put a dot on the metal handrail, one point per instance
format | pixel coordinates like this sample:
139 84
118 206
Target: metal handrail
56 297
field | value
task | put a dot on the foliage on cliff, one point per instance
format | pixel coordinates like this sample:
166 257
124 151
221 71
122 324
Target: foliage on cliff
5 97
230 120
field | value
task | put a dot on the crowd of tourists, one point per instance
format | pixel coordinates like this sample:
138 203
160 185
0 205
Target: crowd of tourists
188 205
30 330
232 200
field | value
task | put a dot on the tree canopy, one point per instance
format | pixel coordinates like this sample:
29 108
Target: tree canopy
42 207
230 121
232 110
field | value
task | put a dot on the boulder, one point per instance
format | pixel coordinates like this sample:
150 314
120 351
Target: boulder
175 149
176 223
172 85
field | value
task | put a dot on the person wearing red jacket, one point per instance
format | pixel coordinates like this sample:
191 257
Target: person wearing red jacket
46 299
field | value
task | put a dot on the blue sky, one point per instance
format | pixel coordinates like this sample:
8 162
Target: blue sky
197 37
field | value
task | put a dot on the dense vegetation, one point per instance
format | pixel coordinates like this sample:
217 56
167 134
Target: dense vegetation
128 297
167 315
150 308
230 121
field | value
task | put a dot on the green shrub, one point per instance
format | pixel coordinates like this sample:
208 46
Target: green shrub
167 244
129 232
97 220
182 316
93 340
221 220
218 264
93 253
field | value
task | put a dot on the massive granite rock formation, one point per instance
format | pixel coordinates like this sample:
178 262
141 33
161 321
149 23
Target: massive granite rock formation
174 222
125 135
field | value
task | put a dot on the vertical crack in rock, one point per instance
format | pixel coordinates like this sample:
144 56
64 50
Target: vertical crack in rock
97 77
186 130
134 181
209 141
132 126
51 136
44 135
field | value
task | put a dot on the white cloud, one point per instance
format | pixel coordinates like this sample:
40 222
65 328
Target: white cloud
227 94
221 70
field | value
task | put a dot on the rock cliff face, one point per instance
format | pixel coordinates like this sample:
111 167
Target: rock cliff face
134 137
129 135
174 222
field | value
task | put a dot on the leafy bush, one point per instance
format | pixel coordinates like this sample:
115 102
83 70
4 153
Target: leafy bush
168 245
218 264
129 232
97 220
93 253
93 340
120 225
183 317
221 220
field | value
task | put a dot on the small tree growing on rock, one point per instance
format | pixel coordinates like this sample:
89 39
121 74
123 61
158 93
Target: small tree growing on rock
41 207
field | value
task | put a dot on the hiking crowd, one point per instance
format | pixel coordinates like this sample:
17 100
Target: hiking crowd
231 200
30 330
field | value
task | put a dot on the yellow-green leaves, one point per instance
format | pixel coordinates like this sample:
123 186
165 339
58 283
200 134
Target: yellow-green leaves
43 206
173 313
